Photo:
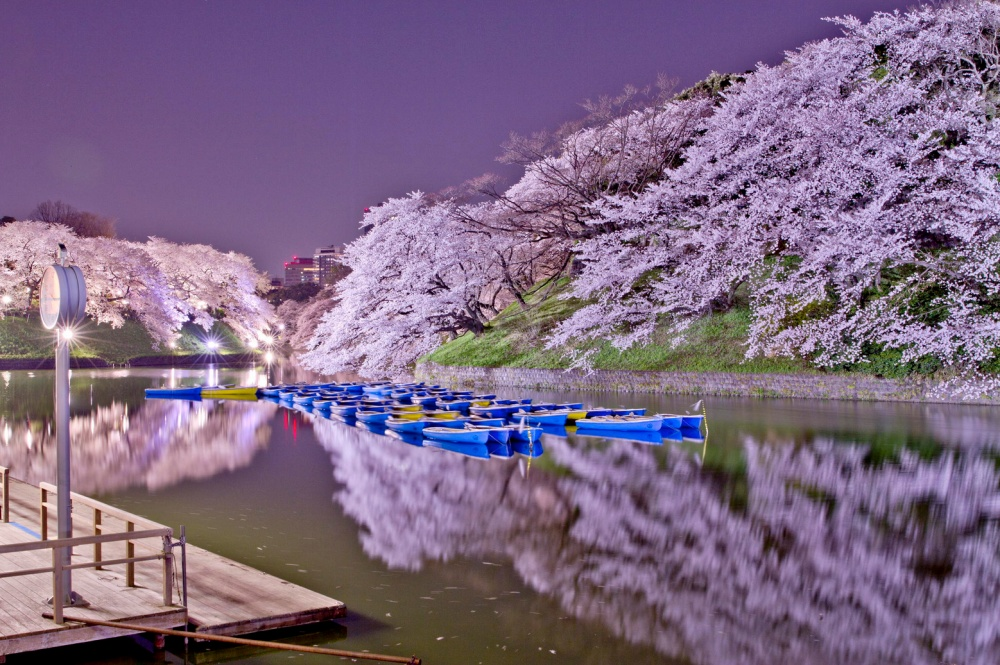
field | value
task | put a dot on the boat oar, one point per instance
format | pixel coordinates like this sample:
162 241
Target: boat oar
263 644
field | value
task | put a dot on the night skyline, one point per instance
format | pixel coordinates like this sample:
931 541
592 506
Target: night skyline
267 128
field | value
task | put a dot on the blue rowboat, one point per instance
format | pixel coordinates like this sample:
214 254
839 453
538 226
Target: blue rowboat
424 400
477 450
409 437
498 449
343 410
691 421
692 434
500 434
269 391
653 438
598 412
454 405
487 422
191 392
372 416
322 404
628 412
454 423
525 434
541 417
671 421
453 435
493 410
621 424
374 428
304 398
527 448
405 424
673 435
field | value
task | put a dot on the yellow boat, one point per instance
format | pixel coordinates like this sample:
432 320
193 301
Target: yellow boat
406 415
443 415
244 392
576 414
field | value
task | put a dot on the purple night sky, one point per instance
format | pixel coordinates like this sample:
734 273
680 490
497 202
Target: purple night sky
267 127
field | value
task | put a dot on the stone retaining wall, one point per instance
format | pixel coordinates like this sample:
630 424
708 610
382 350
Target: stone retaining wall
802 386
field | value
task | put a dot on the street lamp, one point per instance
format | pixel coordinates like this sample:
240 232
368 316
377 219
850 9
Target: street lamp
62 302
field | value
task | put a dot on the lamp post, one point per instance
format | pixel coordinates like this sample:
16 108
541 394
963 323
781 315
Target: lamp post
62 302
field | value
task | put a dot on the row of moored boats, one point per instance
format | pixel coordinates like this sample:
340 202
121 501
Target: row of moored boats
420 413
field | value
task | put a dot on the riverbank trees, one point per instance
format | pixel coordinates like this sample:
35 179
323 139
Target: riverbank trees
161 284
847 197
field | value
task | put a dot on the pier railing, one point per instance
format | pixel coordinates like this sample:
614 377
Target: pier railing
129 535
5 493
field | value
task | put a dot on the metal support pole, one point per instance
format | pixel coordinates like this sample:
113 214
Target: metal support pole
63 586
65 529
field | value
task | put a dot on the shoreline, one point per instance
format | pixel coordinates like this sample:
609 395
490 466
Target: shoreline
849 387
139 361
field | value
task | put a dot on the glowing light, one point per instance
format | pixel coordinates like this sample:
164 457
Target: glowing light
252 344
269 357
6 299
67 333
281 326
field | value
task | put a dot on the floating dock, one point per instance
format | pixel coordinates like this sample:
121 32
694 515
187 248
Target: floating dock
137 582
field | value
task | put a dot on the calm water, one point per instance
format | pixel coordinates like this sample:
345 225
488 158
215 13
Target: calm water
800 531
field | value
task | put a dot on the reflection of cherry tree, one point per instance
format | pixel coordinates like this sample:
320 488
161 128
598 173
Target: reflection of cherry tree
832 560
159 445
431 504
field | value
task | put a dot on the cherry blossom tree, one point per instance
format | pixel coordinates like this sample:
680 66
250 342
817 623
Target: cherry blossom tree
851 191
160 283
211 283
122 281
417 275
26 249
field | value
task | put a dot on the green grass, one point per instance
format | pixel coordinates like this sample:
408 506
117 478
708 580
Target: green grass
516 338
26 338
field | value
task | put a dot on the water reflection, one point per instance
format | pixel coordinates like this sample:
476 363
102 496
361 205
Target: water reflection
158 444
811 532
823 552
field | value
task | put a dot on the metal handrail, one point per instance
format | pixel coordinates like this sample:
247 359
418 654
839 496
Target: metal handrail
152 530
5 493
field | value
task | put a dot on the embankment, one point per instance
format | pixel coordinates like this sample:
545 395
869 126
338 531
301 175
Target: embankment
799 386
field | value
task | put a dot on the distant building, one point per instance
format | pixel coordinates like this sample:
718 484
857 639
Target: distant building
301 271
276 282
329 262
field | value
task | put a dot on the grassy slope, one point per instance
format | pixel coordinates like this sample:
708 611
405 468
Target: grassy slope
516 338
22 338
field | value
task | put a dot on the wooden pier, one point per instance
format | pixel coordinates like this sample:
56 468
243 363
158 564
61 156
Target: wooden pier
137 579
